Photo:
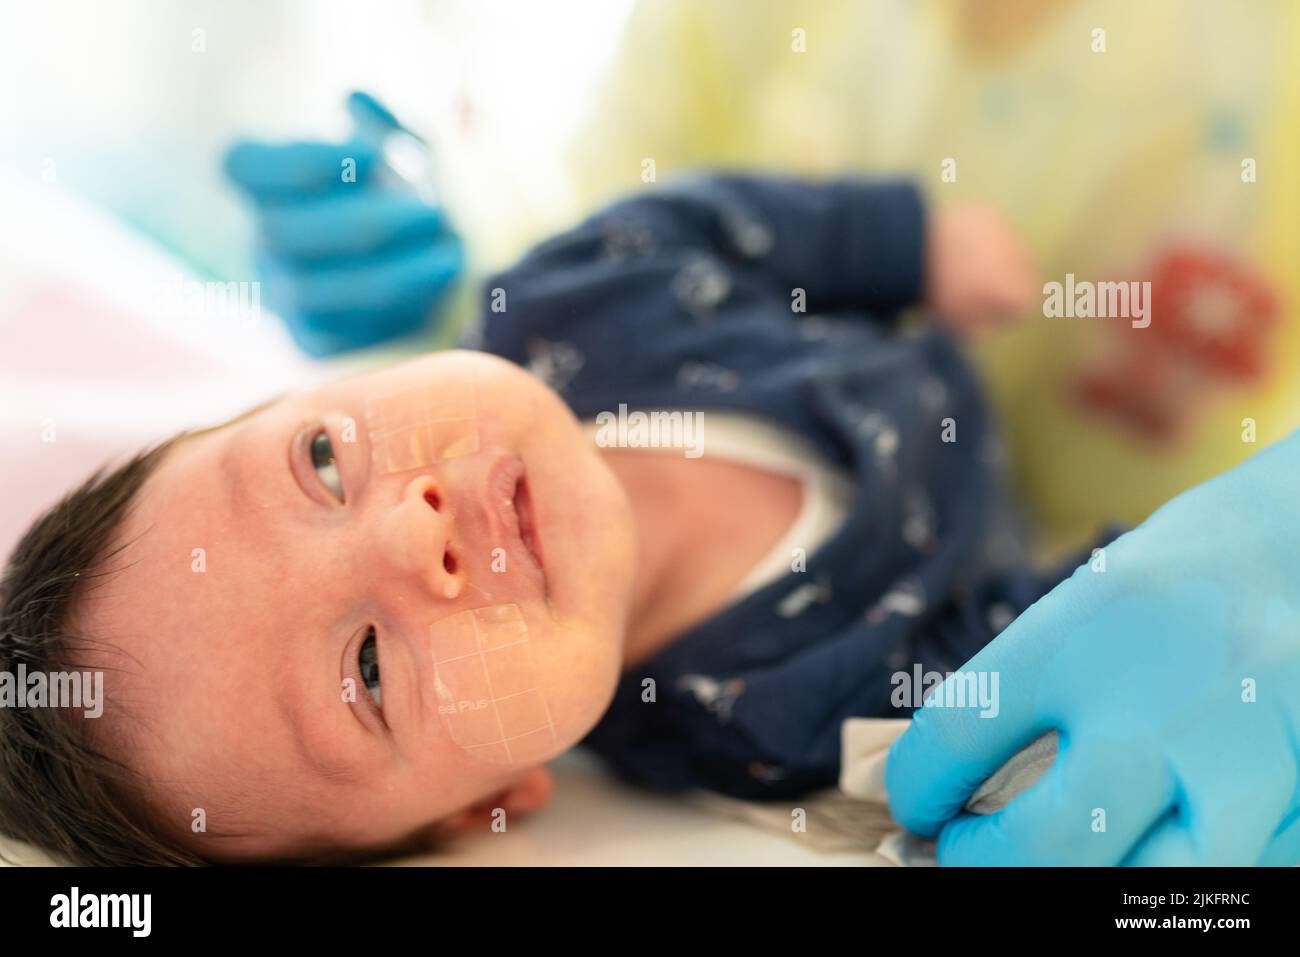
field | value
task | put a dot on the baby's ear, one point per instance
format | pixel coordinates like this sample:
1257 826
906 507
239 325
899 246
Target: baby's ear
529 793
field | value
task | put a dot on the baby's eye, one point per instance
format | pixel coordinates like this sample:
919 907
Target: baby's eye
368 665
327 469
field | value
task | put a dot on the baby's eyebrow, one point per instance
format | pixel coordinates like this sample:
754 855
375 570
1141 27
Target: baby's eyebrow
245 465
233 465
301 730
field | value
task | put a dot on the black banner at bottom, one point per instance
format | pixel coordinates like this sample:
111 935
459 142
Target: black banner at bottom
367 905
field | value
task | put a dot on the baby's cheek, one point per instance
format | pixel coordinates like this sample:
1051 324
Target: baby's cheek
493 697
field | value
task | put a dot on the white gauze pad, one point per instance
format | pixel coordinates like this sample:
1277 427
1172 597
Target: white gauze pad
489 692
422 427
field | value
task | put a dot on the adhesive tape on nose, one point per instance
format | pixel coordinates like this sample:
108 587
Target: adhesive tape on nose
489 692
422 427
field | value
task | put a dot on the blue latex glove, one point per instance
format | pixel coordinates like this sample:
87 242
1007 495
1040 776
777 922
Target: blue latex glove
346 263
1143 669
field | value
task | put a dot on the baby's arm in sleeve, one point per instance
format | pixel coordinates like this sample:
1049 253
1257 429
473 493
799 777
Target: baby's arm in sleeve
851 242
845 242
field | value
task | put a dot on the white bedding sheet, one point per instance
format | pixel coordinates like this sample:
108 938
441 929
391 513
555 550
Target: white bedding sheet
594 820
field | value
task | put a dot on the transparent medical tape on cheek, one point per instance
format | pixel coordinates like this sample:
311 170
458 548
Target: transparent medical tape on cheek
490 698
422 427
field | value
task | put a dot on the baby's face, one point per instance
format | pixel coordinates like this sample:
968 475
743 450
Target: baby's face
317 671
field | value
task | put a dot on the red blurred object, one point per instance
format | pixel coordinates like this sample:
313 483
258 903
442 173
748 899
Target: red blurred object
1210 321
1150 391
1215 308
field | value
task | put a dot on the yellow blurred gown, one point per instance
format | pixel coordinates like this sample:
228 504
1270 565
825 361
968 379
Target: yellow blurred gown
1101 158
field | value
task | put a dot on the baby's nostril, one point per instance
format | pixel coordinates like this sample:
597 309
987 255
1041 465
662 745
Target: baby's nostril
449 563
431 497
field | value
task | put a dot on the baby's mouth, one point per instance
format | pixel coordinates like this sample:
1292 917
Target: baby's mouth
514 506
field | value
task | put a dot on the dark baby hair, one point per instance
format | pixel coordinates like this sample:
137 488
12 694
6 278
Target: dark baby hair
57 791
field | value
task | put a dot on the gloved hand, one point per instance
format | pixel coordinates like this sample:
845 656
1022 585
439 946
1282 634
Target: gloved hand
347 260
1173 677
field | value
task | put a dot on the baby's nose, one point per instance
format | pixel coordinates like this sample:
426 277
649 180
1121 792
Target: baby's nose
416 538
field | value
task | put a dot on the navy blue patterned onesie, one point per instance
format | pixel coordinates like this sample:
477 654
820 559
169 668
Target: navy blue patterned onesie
688 295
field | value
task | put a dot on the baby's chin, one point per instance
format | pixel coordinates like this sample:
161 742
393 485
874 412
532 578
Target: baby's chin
589 689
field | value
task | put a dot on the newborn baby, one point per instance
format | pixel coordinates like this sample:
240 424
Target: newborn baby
359 619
